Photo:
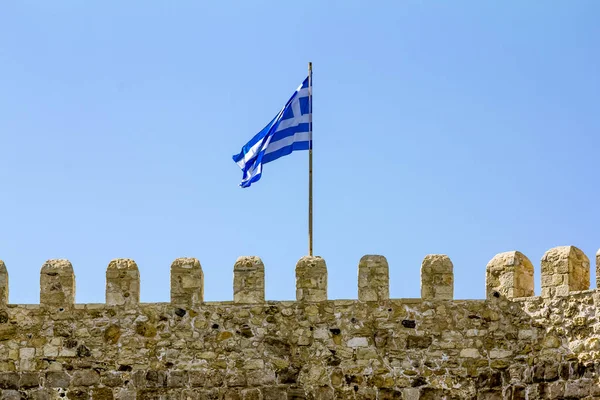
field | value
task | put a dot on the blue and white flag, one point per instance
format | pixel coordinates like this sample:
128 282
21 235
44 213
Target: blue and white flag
289 131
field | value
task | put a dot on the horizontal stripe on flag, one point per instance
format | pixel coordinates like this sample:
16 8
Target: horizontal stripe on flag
286 123
285 151
289 131
297 137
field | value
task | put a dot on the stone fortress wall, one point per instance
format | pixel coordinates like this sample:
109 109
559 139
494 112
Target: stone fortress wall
511 345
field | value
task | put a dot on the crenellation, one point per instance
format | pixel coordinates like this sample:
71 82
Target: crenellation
311 279
598 269
564 269
509 274
122 283
437 277
187 282
3 284
373 278
509 345
249 280
57 284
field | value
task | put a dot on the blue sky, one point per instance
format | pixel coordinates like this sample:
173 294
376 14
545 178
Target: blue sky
465 128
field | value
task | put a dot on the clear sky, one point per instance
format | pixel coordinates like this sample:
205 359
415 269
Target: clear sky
466 128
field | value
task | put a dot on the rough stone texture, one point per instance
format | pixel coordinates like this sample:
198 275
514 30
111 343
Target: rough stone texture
373 278
598 269
57 284
564 269
493 349
3 284
249 280
311 279
437 277
187 282
342 349
509 274
122 283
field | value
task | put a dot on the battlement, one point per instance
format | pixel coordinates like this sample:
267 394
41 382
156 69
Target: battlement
510 345
564 269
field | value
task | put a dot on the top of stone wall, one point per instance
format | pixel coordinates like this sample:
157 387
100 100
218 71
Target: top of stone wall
564 270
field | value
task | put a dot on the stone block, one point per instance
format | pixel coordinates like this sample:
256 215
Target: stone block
187 282
29 380
85 378
57 379
177 379
564 269
122 283
3 284
311 279
9 380
40 394
437 278
57 284
249 280
102 393
373 278
10 395
274 393
597 272
510 274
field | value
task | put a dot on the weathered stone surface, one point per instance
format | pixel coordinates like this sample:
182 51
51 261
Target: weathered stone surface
3 284
145 328
122 283
505 347
597 269
10 395
564 269
437 277
187 282
418 342
57 284
249 280
9 380
112 333
40 394
102 393
509 274
529 346
373 278
85 378
58 379
29 380
311 279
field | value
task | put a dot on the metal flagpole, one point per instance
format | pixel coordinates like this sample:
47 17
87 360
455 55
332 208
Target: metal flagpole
310 193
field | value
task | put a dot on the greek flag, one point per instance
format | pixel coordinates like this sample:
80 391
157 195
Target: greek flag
289 131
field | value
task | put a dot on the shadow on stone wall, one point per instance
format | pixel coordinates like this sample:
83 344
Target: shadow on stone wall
504 347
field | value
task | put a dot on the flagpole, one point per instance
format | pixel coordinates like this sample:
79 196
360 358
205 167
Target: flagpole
310 191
